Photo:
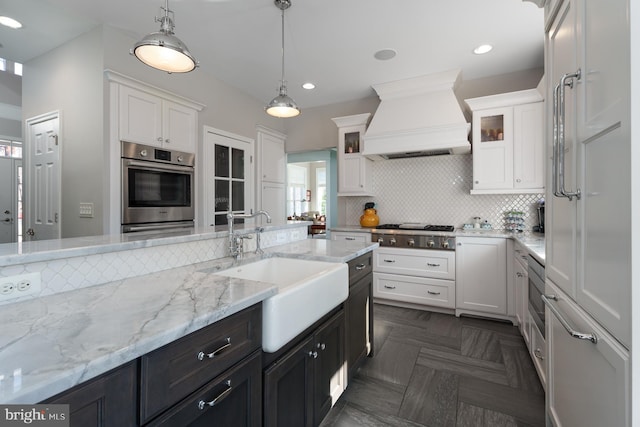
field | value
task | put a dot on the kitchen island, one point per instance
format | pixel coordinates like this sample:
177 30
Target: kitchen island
55 342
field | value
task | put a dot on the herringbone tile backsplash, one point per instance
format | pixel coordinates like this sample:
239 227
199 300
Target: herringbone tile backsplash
435 190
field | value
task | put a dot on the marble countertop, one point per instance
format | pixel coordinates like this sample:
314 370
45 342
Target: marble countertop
533 242
59 341
47 250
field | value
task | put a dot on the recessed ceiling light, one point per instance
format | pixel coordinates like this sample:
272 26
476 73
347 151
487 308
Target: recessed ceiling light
309 86
10 22
483 48
385 54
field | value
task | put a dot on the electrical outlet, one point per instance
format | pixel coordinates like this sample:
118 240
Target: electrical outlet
20 285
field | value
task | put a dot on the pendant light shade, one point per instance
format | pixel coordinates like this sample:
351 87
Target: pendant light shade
163 50
283 105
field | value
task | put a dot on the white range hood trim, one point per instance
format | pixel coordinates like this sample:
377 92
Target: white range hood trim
411 141
418 116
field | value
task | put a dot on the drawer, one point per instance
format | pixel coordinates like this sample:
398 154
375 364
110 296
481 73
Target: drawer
539 354
237 394
363 237
415 262
416 290
174 371
360 267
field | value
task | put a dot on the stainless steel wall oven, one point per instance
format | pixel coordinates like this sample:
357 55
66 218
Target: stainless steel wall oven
157 188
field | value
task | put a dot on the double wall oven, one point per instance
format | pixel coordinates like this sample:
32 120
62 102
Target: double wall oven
157 188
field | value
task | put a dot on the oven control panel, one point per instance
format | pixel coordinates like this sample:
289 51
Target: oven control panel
414 241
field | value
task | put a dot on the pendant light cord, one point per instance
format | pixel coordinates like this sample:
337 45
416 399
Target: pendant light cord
282 14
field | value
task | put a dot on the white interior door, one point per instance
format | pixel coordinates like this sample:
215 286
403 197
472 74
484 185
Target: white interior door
42 186
8 198
228 176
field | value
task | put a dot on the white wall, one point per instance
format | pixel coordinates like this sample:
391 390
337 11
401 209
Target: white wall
69 79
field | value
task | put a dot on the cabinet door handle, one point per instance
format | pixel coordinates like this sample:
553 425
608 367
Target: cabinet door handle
538 353
389 260
433 265
214 353
519 274
321 346
360 267
313 354
575 334
218 399
558 136
349 238
389 287
433 293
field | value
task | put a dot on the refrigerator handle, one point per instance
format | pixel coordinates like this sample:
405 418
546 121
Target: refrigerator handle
575 334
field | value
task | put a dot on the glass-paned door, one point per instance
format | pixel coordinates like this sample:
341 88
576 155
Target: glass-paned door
227 169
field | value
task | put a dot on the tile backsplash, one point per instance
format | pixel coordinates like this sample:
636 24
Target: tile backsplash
435 190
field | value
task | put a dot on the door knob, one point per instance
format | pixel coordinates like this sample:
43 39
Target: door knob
7 212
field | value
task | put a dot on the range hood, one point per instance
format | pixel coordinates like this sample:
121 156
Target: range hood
417 117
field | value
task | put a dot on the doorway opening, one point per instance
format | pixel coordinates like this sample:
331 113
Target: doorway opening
312 189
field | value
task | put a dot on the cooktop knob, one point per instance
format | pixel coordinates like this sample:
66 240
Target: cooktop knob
411 242
143 153
431 244
445 244
392 242
180 159
380 240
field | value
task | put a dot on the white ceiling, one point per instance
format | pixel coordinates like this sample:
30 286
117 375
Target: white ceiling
328 42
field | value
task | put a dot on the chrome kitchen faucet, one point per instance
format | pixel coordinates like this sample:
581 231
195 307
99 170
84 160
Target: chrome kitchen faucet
235 241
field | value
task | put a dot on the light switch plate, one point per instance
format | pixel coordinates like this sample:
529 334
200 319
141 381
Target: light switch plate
86 210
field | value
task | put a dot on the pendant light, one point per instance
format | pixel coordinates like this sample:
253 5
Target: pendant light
163 50
282 105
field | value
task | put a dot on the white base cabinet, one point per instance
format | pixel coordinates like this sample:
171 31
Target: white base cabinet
481 276
588 384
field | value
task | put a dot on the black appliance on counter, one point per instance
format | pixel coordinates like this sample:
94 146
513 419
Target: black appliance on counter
540 227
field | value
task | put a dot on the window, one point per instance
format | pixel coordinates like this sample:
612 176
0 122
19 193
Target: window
10 148
321 190
17 68
296 189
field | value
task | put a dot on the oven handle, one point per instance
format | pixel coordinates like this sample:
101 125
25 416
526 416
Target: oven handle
161 167
575 334
134 228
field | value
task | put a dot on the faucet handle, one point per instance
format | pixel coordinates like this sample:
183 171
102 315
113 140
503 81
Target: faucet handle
259 229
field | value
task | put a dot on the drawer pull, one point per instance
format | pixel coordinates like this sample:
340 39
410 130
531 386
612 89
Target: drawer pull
433 265
389 287
433 293
214 353
360 267
538 353
218 399
349 238
389 260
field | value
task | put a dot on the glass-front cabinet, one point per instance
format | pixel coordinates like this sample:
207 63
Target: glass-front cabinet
508 146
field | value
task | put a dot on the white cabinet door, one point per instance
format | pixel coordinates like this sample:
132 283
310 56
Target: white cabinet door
273 200
351 174
493 149
538 353
528 146
148 119
272 157
587 384
140 117
561 214
481 275
179 125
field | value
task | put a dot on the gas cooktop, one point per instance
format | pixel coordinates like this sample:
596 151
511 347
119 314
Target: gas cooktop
415 226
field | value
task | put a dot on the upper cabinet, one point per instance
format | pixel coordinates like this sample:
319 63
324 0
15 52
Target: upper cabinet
151 119
508 145
353 168
271 172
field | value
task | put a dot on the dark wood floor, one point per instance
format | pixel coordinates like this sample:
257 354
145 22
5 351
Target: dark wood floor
433 369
